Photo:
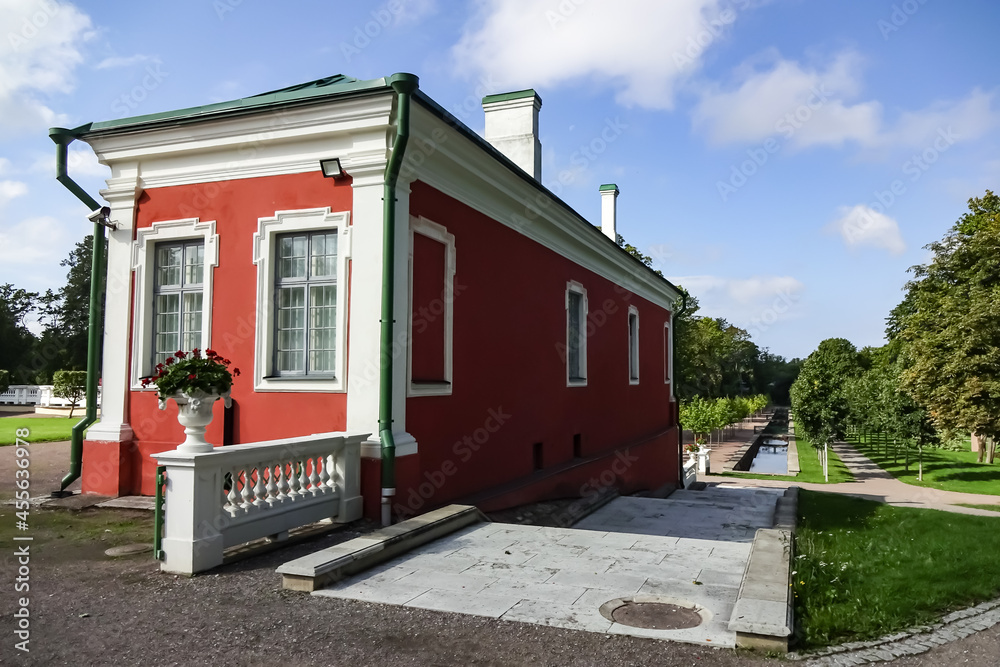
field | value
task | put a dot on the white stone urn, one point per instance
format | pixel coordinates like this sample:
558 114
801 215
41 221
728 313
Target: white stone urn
704 462
194 412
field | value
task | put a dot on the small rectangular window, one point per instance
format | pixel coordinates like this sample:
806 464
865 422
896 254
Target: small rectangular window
305 288
633 345
178 295
666 352
576 334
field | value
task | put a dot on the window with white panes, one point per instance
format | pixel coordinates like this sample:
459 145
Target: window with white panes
305 298
178 297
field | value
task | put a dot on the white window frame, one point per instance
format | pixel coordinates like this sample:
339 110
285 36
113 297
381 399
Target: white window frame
668 354
439 233
143 263
577 288
633 345
264 247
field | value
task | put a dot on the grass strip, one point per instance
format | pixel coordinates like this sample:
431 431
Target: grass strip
864 569
943 468
43 429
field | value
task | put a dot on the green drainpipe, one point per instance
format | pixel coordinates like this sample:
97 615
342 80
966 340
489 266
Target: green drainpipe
404 85
673 355
63 138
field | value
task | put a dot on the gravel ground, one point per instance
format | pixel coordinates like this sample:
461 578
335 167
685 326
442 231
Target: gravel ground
88 609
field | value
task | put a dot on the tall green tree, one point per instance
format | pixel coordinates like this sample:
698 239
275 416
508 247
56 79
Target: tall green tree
67 312
16 340
819 394
950 323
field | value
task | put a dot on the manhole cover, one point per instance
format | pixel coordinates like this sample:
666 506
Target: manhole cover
656 616
128 550
654 612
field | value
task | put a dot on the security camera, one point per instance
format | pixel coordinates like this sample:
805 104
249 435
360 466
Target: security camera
100 215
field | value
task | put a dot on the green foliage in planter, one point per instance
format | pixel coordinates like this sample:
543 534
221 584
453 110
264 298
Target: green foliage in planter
190 372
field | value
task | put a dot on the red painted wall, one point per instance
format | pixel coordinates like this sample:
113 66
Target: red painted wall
509 388
427 344
236 206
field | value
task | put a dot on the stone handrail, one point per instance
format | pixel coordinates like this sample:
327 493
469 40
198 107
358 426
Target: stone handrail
240 493
690 472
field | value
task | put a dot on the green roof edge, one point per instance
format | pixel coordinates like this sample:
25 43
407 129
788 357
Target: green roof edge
516 95
283 96
609 187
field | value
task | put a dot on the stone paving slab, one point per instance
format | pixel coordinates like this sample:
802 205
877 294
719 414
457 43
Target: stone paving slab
561 576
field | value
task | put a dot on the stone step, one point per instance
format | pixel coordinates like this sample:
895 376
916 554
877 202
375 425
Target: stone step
327 566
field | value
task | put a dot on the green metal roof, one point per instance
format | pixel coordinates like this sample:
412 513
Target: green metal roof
338 84
516 95
609 187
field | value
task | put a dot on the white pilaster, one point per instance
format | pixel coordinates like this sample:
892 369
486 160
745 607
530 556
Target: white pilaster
123 189
366 299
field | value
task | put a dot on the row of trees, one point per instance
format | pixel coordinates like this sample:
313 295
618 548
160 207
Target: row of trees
939 374
62 345
705 415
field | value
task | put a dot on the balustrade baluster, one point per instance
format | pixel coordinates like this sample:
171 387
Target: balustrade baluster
272 487
314 475
293 480
233 498
303 477
282 482
246 493
324 473
258 489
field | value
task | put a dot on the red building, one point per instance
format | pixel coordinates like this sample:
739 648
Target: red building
528 356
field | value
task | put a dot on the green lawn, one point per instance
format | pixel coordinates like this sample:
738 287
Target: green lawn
864 569
943 469
41 429
810 469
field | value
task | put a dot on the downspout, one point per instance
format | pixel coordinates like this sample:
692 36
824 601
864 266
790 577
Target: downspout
63 137
673 388
404 85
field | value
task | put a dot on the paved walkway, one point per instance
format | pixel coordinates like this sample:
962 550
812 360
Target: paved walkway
691 547
873 483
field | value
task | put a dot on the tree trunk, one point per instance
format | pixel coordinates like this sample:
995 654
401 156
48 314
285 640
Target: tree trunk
920 464
72 406
991 455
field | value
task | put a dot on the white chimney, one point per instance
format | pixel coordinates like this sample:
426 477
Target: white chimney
512 128
609 211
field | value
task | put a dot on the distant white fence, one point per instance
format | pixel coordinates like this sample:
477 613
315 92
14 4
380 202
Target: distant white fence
240 493
38 394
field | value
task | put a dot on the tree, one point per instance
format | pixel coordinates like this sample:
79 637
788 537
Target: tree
819 396
71 385
950 324
16 341
67 313
4 381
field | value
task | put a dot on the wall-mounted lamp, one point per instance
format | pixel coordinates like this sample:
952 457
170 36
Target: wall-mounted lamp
331 168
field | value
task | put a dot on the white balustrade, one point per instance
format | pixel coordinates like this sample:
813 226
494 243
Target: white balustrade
690 472
38 394
240 493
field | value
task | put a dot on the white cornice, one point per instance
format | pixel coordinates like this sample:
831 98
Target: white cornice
264 144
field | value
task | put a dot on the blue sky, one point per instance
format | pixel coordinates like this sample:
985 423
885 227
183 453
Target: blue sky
785 160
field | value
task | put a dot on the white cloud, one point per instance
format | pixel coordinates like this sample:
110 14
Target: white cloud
124 61
37 58
414 11
753 303
862 225
645 50
30 242
11 189
807 106
4 166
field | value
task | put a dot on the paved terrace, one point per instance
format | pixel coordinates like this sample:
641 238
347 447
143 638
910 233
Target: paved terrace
692 546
